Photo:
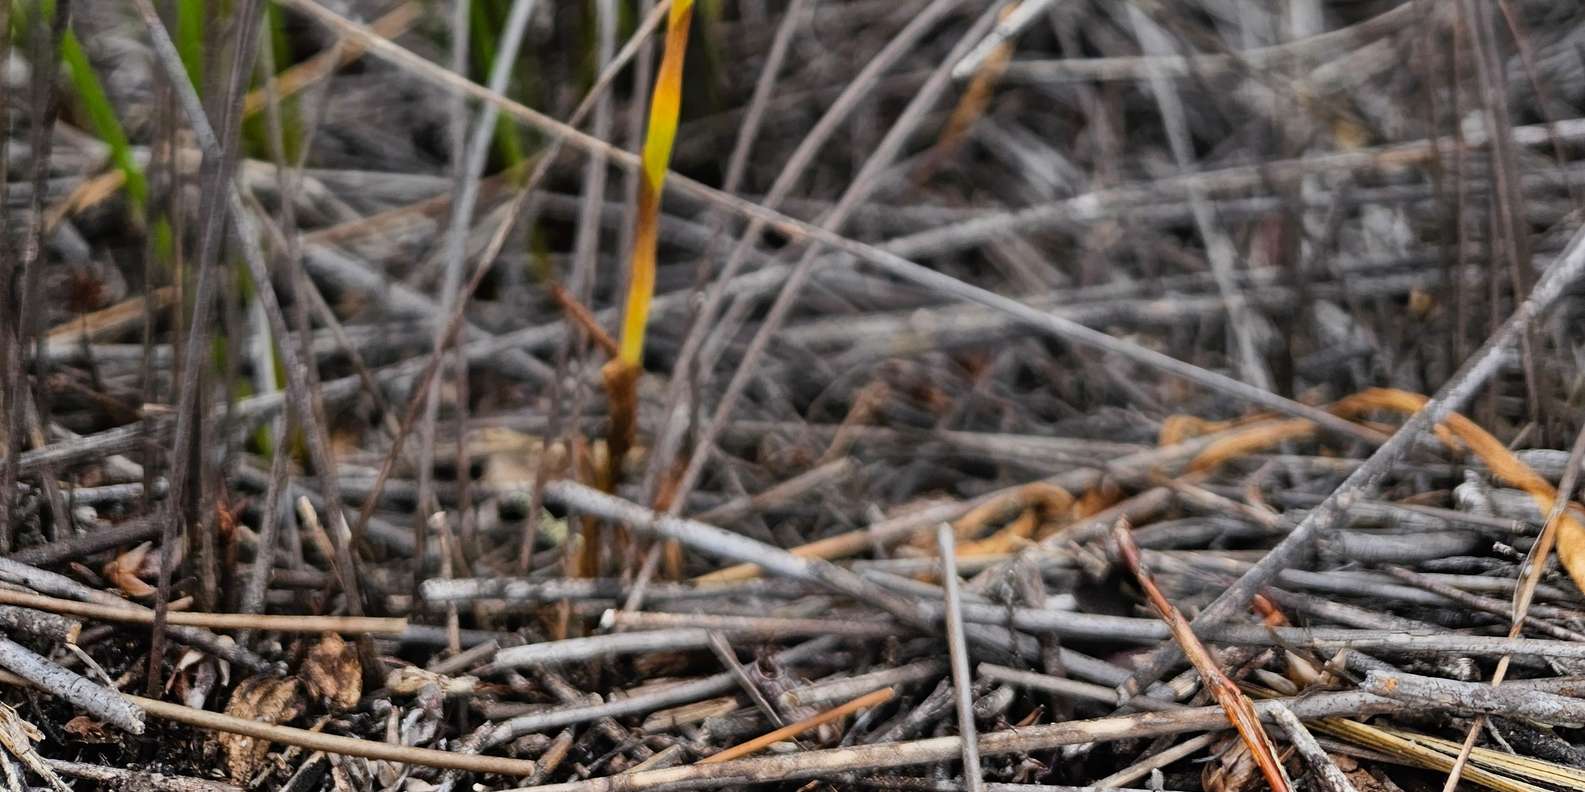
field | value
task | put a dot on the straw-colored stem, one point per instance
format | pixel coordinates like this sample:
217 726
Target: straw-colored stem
218 621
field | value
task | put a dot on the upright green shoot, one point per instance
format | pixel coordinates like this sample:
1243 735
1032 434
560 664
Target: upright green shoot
105 123
190 15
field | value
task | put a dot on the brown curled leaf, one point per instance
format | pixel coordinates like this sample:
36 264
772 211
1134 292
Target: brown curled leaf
1234 769
333 674
262 699
88 730
123 571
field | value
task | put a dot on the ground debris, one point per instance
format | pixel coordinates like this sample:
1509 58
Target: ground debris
399 395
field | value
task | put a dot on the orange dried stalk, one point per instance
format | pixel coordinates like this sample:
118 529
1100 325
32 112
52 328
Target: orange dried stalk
588 559
975 520
1012 536
293 80
1028 506
970 108
869 400
671 549
794 729
1254 438
1267 433
1176 429
1099 498
584 318
1569 531
857 541
1270 614
1240 710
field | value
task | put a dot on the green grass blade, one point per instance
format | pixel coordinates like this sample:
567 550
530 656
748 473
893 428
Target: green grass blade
103 118
190 39
487 18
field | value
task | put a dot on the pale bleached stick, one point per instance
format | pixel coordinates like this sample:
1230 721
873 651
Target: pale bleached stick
958 652
101 702
1330 774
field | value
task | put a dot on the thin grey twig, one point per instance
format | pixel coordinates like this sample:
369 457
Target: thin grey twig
215 176
728 657
794 169
681 693
1066 687
880 258
869 758
1327 770
1144 767
1218 247
730 546
469 170
863 183
1480 366
958 651
53 584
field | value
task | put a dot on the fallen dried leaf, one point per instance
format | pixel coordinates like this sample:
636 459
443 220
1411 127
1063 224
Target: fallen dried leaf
188 659
1359 776
409 679
333 674
123 571
88 730
262 699
1234 770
